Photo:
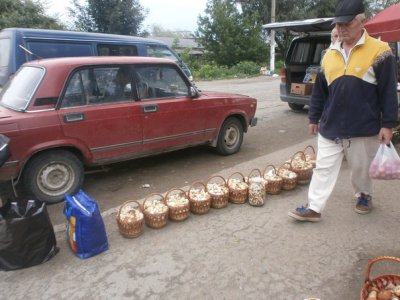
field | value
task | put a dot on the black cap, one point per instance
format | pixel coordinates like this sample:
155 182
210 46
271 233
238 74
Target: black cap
346 10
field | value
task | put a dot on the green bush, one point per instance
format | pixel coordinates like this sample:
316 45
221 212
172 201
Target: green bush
209 71
278 66
245 68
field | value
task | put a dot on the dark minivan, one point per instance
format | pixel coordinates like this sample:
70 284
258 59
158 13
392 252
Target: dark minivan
19 45
303 54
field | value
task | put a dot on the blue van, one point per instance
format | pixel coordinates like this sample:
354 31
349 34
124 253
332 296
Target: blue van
19 45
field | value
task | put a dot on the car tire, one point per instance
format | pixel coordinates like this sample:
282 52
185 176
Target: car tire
296 107
52 174
230 137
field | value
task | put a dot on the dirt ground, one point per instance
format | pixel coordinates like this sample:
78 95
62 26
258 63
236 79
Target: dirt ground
238 252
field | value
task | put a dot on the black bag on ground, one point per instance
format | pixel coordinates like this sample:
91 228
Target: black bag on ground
26 235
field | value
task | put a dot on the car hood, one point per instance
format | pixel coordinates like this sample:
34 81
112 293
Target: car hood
221 94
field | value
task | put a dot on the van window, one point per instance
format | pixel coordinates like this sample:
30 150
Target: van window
161 51
116 50
319 47
51 49
19 91
4 52
300 53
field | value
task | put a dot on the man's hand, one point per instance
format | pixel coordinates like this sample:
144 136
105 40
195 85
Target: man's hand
313 128
385 135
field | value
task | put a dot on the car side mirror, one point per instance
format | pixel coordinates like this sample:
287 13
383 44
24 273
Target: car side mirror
194 92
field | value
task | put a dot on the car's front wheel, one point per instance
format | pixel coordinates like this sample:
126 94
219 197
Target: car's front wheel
230 136
52 174
296 107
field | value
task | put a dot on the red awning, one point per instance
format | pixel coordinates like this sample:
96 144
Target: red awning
386 24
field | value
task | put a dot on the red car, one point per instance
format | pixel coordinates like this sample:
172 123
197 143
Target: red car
67 113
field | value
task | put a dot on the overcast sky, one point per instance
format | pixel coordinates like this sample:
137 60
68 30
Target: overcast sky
169 14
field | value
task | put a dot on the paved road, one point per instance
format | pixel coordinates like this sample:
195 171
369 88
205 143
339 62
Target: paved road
239 252
278 127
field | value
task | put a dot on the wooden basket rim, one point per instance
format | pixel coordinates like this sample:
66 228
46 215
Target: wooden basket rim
125 203
216 176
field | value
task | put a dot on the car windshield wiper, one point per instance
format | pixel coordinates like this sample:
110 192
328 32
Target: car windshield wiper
29 52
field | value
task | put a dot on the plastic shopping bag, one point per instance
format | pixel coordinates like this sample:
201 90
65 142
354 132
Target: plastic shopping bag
86 232
386 164
26 235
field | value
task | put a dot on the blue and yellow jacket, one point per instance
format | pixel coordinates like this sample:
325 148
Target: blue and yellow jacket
357 98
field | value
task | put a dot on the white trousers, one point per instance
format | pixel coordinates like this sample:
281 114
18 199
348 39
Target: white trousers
359 153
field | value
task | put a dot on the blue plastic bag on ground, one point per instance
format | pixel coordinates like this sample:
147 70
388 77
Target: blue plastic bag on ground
86 232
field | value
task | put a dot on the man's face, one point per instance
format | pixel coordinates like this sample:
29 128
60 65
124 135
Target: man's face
349 33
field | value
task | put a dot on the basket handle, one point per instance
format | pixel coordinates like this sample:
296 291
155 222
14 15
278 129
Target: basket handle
266 168
255 170
376 260
309 147
171 190
152 195
236 174
197 182
217 176
126 203
303 157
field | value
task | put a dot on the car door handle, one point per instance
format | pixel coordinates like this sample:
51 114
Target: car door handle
150 108
74 117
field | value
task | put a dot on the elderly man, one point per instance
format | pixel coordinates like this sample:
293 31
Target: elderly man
353 108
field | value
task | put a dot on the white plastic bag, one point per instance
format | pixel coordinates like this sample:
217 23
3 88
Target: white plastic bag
386 164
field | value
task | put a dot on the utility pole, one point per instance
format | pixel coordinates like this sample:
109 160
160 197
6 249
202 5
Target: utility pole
272 39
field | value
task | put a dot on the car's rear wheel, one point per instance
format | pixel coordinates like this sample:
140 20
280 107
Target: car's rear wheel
52 174
230 136
296 107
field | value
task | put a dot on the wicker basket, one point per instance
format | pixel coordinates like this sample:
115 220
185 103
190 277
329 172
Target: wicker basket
200 199
274 181
381 282
310 157
219 192
289 177
130 219
238 189
301 167
257 194
154 218
178 204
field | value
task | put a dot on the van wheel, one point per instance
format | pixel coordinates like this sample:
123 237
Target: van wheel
52 174
230 137
296 107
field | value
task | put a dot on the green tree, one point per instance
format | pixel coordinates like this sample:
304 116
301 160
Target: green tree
109 16
175 43
230 36
25 13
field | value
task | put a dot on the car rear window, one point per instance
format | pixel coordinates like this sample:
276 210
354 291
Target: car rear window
18 92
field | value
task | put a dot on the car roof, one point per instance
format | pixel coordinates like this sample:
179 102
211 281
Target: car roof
308 25
73 62
83 36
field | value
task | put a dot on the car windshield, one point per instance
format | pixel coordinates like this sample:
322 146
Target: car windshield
19 90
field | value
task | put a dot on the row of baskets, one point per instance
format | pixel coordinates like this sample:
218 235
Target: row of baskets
176 205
